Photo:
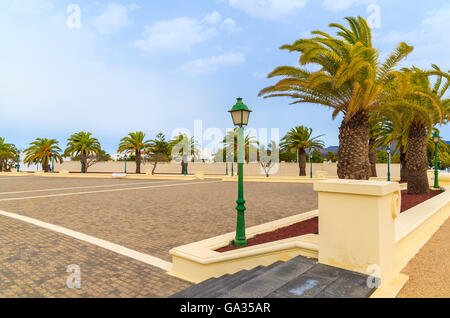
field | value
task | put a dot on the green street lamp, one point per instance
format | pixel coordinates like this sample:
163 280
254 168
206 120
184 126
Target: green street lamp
226 168
53 161
388 150
436 139
18 161
125 171
240 114
310 164
232 168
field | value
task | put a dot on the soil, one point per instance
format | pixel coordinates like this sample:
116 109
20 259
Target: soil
311 226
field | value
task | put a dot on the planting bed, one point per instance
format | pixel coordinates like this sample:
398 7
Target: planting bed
311 226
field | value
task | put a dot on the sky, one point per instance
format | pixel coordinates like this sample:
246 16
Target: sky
113 67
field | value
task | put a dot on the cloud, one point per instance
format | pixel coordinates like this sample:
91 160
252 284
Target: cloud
213 17
268 9
212 64
339 5
114 18
180 34
430 40
230 25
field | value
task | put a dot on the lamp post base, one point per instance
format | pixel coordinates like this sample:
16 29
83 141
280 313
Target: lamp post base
240 243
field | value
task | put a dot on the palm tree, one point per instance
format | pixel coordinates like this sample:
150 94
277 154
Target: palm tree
423 107
8 152
350 81
41 151
230 142
184 147
85 147
134 144
300 140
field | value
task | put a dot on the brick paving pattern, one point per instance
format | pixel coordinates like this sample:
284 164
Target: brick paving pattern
33 260
33 263
155 220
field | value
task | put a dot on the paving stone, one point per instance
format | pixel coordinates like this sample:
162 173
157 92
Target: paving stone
303 286
351 285
325 271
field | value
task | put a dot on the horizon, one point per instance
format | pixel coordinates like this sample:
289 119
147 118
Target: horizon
117 73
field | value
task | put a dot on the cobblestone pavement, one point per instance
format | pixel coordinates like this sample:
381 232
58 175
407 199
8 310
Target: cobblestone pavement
33 263
429 270
155 220
151 220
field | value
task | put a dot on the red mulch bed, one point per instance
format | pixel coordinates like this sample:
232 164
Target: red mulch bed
411 200
311 226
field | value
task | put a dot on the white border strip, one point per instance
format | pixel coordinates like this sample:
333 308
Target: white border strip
85 187
145 258
102 191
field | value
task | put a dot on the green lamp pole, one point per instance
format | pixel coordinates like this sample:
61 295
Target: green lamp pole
436 139
226 168
125 171
310 164
232 168
240 114
388 150
18 162
53 161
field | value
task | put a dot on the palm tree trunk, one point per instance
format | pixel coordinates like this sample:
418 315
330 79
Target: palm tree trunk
373 159
404 167
138 162
353 150
416 160
154 167
302 162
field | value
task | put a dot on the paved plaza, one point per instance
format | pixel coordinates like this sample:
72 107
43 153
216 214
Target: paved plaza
148 216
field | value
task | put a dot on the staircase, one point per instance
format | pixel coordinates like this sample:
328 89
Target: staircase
300 277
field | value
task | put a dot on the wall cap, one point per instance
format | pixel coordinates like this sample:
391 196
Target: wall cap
359 187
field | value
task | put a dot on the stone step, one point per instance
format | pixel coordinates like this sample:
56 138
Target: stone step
233 281
272 279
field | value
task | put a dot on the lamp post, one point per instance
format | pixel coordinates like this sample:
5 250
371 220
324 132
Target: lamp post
240 114
226 168
310 164
53 161
125 171
436 139
18 161
388 150
232 168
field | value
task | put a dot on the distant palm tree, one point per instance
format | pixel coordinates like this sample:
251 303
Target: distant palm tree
300 140
184 147
251 146
85 147
134 144
7 152
41 152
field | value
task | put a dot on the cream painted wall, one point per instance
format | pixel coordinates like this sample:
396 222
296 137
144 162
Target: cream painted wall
252 169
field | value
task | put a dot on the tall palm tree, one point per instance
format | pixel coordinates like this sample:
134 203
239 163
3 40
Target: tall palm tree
7 152
350 80
300 139
251 146
423 107
85 147
184 147
136 144
41 151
